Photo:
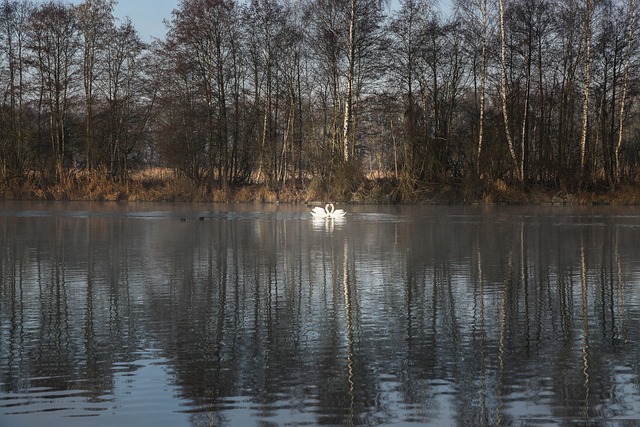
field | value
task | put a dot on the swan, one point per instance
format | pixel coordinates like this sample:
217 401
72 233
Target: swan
318 212
329 211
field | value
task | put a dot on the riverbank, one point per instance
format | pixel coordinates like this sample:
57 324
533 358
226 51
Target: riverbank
162 185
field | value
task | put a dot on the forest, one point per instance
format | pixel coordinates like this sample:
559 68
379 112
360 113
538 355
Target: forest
297 100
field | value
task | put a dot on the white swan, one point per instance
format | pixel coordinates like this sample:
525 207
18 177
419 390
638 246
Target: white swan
329 211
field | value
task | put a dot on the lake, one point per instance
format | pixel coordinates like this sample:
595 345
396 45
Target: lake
258 315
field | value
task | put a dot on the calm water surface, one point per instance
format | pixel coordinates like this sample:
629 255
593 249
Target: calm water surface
146 315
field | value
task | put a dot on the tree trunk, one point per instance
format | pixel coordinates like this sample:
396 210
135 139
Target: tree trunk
348 102
525 113
625 85
585 85
483 78
503 92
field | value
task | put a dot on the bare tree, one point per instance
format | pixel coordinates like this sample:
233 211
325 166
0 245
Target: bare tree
54 41
483 84
544 92
289 66
586 81
345 35
503 94
268 45
326 32
201 34
625 87
348 101
181 137
123 65
476 20
529 25
566 50
95 20
408 33
13 19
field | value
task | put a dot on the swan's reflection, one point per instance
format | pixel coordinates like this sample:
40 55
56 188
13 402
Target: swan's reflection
328 224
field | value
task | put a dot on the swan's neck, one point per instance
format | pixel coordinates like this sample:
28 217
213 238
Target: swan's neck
329 208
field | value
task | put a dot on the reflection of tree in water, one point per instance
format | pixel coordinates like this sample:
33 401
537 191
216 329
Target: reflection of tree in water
278 325
546 334
355 324
70 314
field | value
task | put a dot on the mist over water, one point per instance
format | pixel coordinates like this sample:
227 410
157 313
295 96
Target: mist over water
216 314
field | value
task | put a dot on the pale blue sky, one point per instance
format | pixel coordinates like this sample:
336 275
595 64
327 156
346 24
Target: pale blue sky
148 15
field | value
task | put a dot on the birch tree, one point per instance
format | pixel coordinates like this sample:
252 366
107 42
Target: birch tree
503 94
476 17
348 102
483 83
586 82
625 86
347 36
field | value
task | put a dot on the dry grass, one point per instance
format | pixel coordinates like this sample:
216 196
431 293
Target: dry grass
162 184
502 193
627 195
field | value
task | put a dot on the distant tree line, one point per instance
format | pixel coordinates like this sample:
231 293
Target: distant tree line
326 93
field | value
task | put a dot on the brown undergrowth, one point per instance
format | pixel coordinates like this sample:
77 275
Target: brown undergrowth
162 184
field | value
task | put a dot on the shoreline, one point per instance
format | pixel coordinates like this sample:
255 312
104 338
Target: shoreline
629 196
163 185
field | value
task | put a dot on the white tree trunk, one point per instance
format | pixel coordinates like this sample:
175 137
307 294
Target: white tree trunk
346 127
503 91
483 74
586 83
625 84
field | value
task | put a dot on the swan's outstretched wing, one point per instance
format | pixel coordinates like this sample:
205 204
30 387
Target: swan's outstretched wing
318 209
318 212
338 213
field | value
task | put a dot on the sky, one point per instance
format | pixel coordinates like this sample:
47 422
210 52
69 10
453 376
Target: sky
148 16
